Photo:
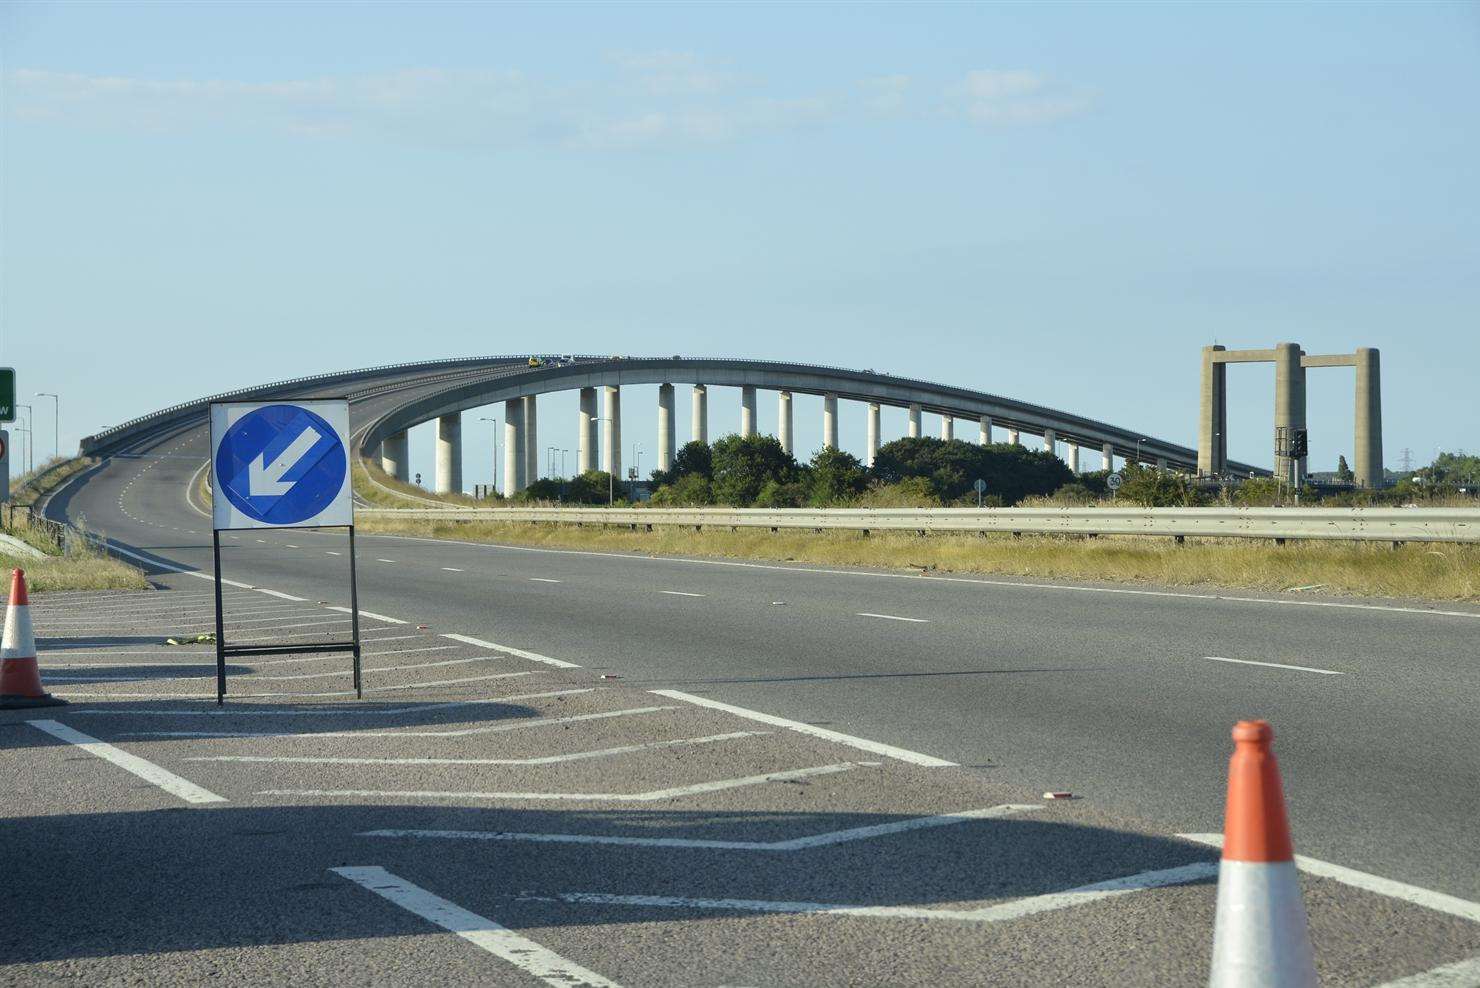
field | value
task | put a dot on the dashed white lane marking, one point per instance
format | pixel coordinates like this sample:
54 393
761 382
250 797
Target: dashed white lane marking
542 579
369 614
681 593
1272 665
537 760
385 560
146 770
452 569
1437 901
654 796
484 933
1460 974
795 844
874 747
893 617
998 913
531 656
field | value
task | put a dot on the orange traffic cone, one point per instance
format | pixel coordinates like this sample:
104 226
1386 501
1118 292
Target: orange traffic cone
1260 936
20 677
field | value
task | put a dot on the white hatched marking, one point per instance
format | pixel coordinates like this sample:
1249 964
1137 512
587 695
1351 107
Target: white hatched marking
1460 974
893 617
531 656
368 614
1272 665
538 760
682 593
146 770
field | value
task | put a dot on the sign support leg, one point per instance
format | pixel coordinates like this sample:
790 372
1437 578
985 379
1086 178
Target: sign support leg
354 613
220 625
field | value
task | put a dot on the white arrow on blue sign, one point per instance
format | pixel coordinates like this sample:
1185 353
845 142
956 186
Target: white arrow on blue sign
280 464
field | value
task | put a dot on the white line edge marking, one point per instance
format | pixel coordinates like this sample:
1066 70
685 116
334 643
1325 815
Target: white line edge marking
1460 974
481 932
543 579
146 770
368 614
794 844
892 617
1273 665
280 594
682 593
521 653
1429 899
874 747
451 569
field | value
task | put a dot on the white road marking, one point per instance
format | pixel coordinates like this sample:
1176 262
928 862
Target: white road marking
146 770
368 614
1460 974
874 747
446 682
531 656
654 796
795 844
1437 901
290 545
541 579
253 677
385 560
329 553
997 913
452 569
893 617
483 933
279 593
1272 665
680 593
537 760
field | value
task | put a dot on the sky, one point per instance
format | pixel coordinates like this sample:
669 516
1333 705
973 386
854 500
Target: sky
1061 203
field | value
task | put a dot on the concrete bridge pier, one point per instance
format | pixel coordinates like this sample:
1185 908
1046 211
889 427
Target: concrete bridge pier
530 441
830 421
784 422
747 410
1012 437
1051 441
586 440
611 438
1368 452
1107 457
665 427
1072 452
872 452
699 424
1161 464
914 421
449 454
513 446
393 458
947 428
984 431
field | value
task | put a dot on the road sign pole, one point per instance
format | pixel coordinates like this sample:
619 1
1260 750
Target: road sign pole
220 625
354 613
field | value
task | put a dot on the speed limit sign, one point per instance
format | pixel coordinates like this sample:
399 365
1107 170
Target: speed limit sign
1114 481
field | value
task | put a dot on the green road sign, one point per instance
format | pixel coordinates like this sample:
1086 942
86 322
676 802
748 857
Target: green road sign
7 394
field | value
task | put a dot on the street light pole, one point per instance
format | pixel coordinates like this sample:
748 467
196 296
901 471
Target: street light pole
30 437
56 416
1138 451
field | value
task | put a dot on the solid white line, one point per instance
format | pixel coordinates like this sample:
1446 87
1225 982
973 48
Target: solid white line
998 913
1460 974
368 614
1273 665
279 593
796 844
1437 901
339 710
452 569
541 579
531 656
893 617
538 760
583 797
447 682
329 553
680 593
874 747
254 677
385 560
483 933
146 770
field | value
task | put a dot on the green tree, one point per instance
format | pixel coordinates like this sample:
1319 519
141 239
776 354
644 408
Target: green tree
742 465
547 489
1151 487
691 490
1343 472
835 477
693 458
592 486
1011 472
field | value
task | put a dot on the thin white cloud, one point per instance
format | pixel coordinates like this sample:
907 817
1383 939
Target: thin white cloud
1011 96
674 73
885 94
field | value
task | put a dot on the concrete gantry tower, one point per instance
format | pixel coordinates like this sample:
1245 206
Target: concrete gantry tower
1290 365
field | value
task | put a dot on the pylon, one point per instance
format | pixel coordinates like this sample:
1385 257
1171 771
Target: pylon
20 677
1260 938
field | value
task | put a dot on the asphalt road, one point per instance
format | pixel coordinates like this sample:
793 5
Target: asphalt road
1118 697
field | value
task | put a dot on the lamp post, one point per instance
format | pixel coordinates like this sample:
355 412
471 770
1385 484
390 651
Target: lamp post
56 415
1138 451
484 418
611 497
30 438
637 459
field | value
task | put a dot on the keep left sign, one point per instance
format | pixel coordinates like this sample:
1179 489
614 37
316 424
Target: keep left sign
280 464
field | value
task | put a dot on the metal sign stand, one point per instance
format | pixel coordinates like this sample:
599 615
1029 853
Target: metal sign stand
223 649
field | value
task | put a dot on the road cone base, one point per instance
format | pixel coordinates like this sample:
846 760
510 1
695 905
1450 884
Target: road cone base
15 702
1260 937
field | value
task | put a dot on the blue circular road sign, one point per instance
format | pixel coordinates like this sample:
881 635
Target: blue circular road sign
281 464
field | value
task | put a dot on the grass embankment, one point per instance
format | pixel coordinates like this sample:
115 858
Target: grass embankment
27 488
79 564
384 491
1436 572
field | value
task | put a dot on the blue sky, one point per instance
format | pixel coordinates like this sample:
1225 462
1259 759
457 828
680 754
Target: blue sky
1061 203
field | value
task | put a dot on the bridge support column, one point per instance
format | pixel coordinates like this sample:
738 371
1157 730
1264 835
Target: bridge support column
830 421
984 431
513 446
784 422
947 427
1012 437
699 428
1289 401
393 458
872 453
914 422
1212 421
1107 457
449 454
1368 452
665 427
586 439
747 410
611 433
1161 464
531 442
1072 451
1051 441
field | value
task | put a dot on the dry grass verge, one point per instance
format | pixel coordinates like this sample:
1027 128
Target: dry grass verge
1435 572
78 565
